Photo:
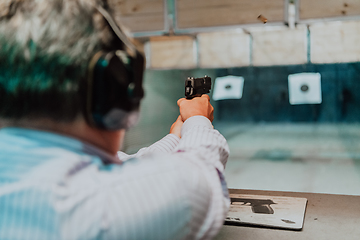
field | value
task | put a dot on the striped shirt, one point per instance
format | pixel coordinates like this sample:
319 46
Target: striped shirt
56 187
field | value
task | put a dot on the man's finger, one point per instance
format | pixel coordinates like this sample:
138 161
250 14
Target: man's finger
179 118
211 118
179 101
206 96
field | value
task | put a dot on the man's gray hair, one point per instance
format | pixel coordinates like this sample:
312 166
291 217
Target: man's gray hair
45 48
71 28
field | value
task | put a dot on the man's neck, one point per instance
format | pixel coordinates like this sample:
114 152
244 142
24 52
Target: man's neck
108 141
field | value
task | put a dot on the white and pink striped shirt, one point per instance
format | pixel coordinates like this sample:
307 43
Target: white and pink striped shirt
56 187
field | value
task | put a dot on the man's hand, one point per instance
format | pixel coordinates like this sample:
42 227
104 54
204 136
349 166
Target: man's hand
176 127
198 106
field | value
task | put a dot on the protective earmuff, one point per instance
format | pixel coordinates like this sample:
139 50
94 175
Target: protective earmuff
114 90
114 84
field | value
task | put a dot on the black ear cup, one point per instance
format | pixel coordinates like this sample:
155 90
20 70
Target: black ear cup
114 84
114 90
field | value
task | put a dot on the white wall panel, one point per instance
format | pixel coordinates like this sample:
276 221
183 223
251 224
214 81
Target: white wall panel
335 42
224 49
280 47
172 52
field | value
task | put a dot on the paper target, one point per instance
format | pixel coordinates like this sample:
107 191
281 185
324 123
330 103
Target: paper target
305 88
229 87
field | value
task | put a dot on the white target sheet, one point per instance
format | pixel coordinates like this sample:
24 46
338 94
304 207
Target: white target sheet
228 87
267 211
305 88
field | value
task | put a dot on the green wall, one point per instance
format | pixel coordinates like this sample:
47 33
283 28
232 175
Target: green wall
265 98
159 109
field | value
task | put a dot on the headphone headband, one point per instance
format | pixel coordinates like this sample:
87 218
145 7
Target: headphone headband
114 87
118 32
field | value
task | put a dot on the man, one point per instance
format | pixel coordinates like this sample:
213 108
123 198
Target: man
61 175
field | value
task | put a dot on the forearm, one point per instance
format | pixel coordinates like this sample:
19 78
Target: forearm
165 145
207 149
199 137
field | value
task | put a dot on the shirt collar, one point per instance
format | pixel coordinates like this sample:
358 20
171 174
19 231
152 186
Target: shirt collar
59 140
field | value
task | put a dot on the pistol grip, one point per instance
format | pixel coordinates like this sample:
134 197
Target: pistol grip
192 96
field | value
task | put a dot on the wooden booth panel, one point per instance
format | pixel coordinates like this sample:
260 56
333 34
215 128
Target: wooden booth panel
335 42
210 13
176 52
314 9
224 49
140 15
280 47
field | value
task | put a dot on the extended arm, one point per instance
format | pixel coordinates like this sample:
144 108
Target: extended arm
182 191
165 145
208 150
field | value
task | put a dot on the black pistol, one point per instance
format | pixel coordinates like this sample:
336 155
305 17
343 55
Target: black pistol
257 205
195 87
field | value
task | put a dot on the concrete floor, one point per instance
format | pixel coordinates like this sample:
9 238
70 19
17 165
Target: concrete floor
322 158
